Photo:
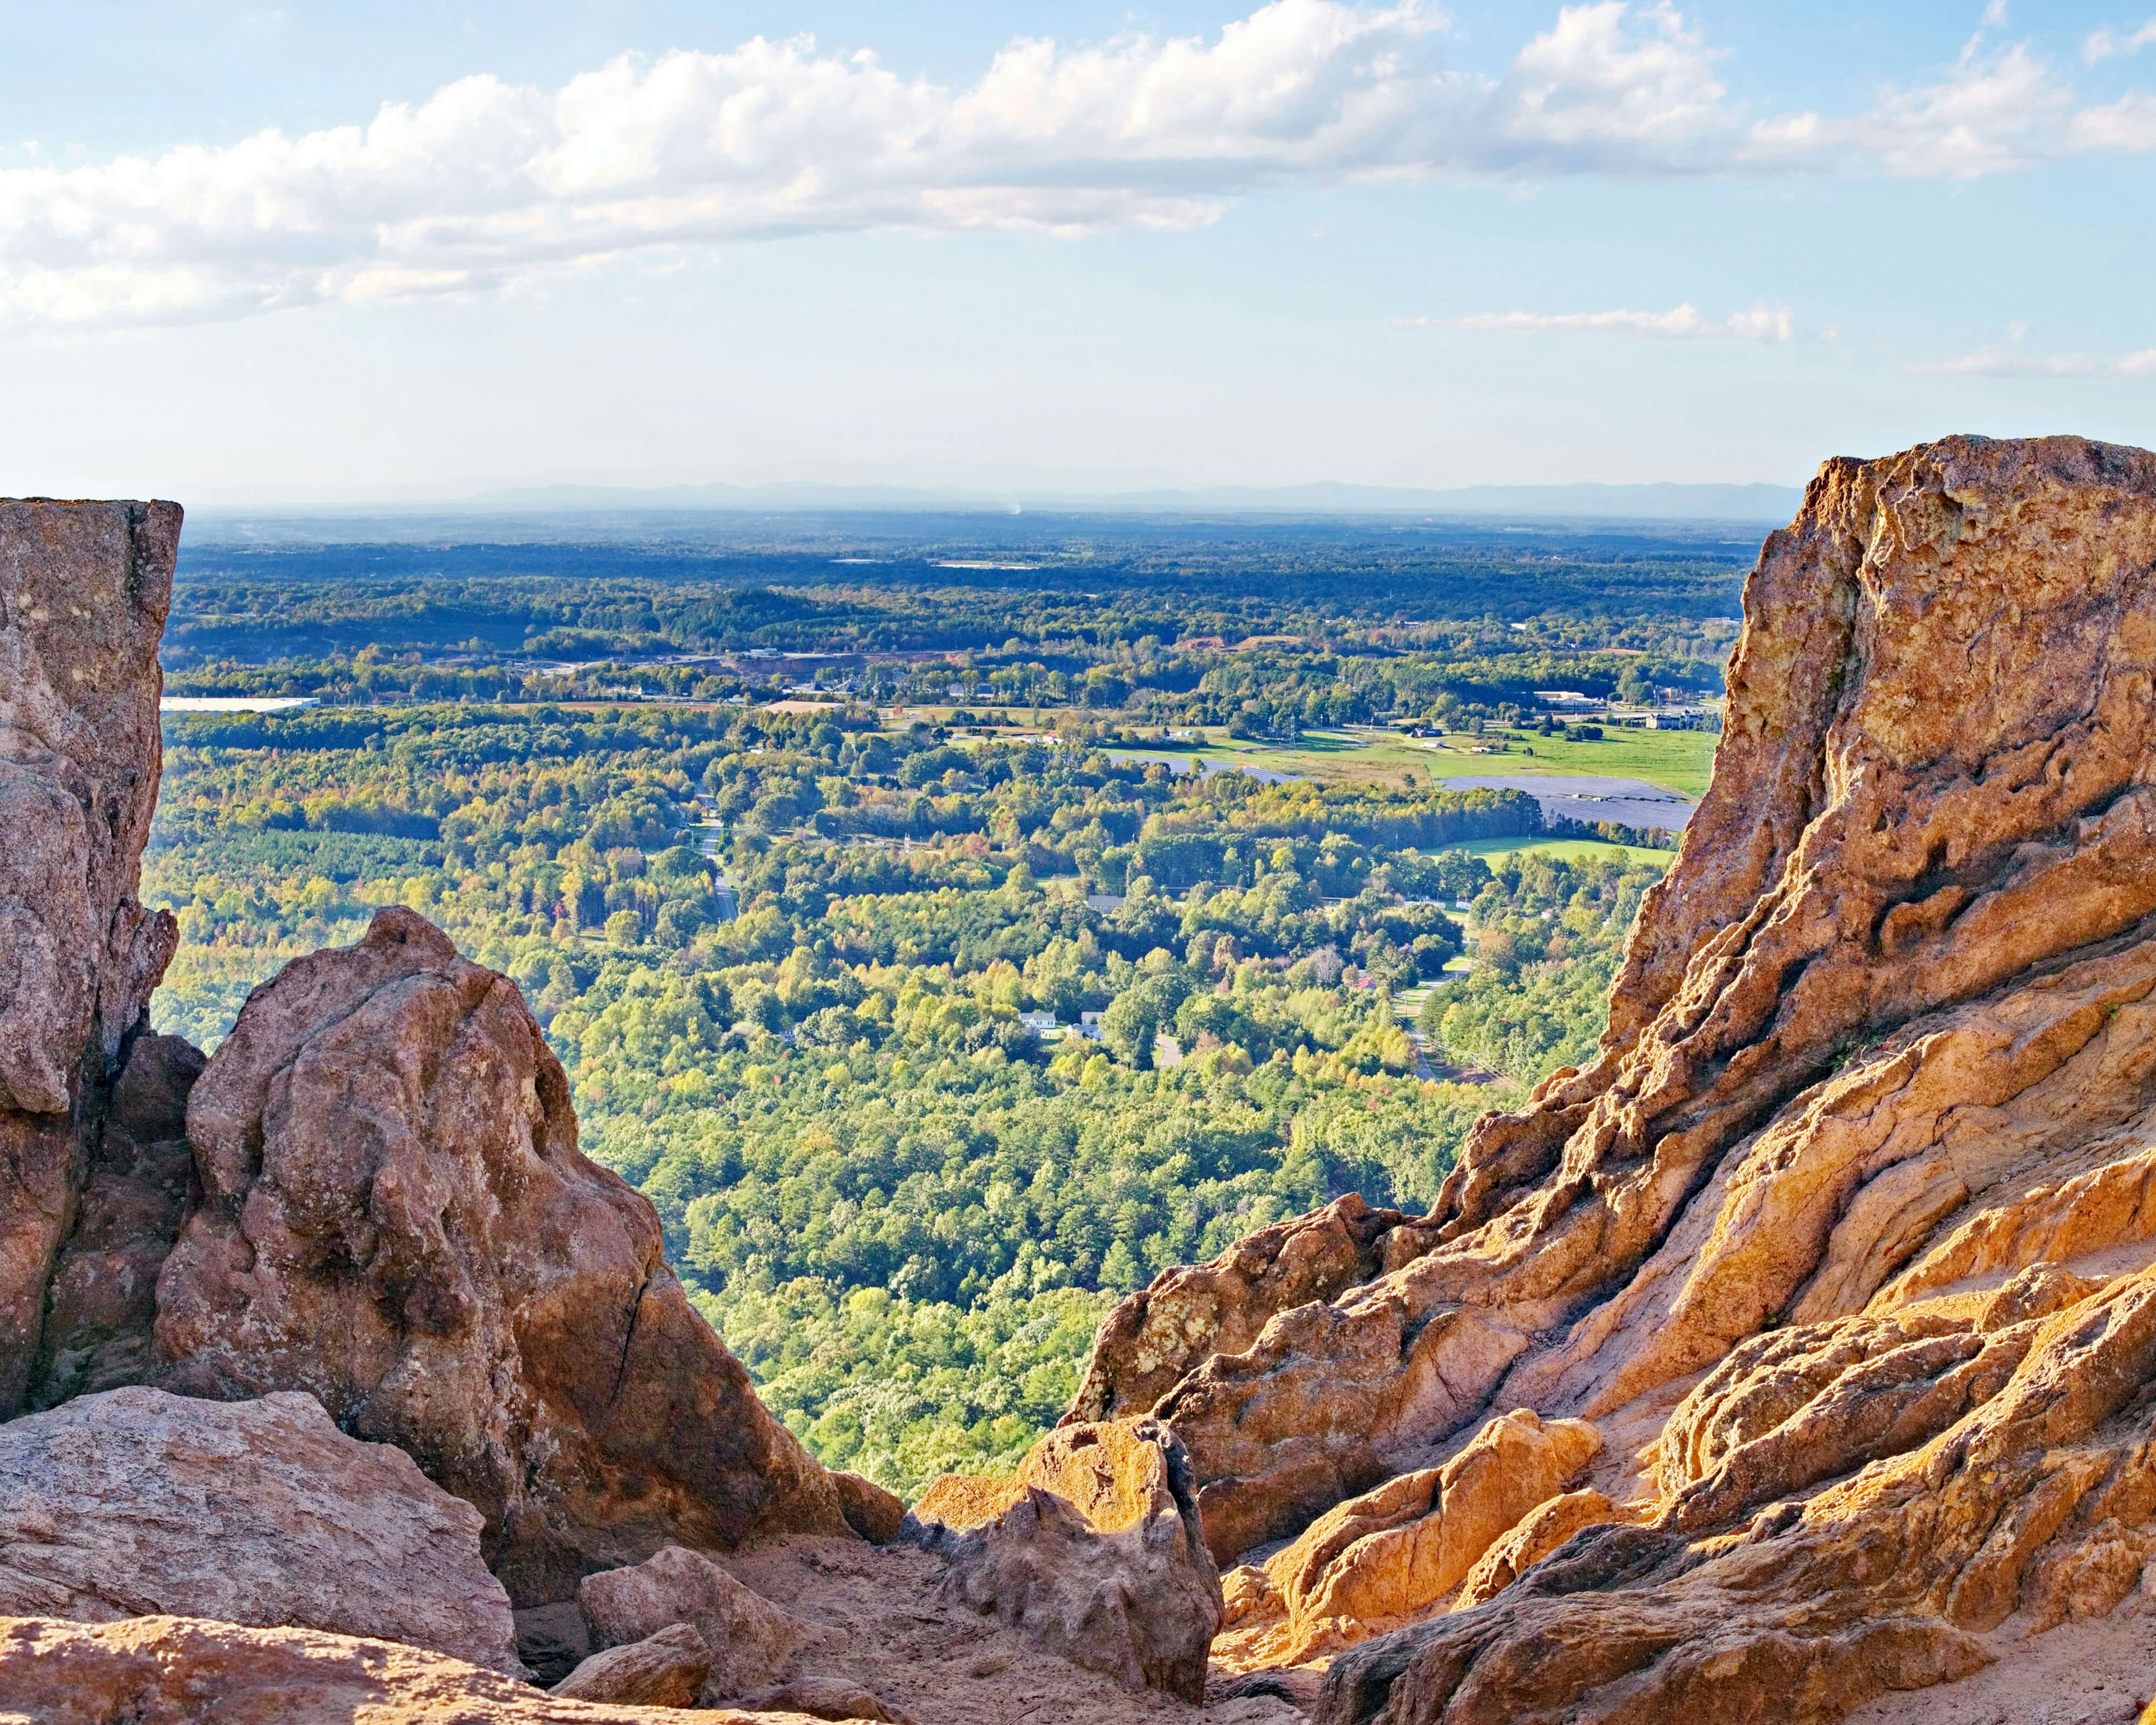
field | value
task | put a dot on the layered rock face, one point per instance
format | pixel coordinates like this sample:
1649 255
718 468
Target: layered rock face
84 588
396 1219
1846 1242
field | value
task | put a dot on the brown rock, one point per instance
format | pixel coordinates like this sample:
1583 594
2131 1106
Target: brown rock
752 1640
1133 1593
1846 1240
827 1698
1147 1344
84 591
667 1669
1542 1531
137 1502
176 1670
395 1216
103 1299
874 1513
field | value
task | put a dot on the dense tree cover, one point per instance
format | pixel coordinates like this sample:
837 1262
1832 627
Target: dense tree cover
1547 936
811 972
905 1207
1264 628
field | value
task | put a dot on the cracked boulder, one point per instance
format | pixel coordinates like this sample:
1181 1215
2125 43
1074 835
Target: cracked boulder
395 1218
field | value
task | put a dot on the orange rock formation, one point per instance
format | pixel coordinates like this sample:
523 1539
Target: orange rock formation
1846 1243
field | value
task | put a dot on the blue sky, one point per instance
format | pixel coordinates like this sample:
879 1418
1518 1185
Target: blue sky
252 253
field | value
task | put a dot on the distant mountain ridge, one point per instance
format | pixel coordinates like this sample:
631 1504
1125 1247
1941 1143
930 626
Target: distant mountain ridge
1585 502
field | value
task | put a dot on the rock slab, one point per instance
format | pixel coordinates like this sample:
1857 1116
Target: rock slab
135 1503
183 1671
667 1669
396 1219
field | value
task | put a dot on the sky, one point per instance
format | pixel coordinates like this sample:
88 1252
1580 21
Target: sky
255 255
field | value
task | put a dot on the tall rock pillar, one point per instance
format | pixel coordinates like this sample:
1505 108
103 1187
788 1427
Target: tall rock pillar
84 588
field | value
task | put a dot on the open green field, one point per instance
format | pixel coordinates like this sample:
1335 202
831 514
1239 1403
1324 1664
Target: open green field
1680 760
1571 849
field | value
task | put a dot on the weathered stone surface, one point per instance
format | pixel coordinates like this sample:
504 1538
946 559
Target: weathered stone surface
395 1217
102 1302
1533 1537
666 1670
84 592
1101 1560
1397 1551
552 1641
1846 1240
1158 1334
184 1670
963 1502
874 1513
752 1640
827 1698
137 1502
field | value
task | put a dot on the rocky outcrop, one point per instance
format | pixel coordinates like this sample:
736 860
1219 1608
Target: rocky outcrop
158 1669
874 1513
666 1670
1845 1241
1156 1335
752 1641
1397 1551
84 588
137 1502
1100 1559
395 1218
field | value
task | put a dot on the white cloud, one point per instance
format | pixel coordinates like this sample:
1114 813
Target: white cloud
486 182
1990 362
1992 113
2102 46
2127 126
1762 323
1602 89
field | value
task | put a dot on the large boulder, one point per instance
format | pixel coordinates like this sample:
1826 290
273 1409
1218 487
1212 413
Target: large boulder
135 1503
752 1641
84 588
395 1218
666 1670
1846 1238
175 1671
1100 1558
